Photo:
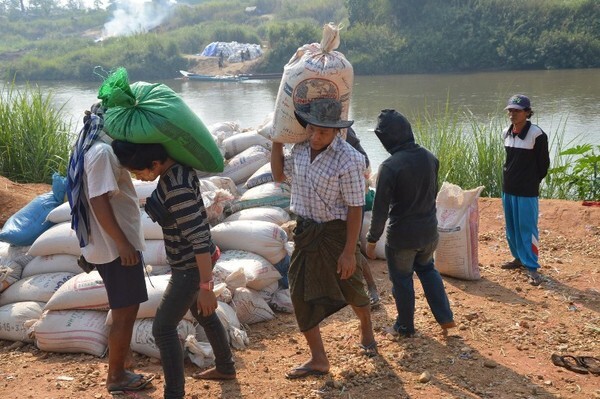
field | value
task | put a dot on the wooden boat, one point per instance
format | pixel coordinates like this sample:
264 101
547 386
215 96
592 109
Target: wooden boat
212 78
260 76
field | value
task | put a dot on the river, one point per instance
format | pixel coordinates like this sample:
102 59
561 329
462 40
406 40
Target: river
565 101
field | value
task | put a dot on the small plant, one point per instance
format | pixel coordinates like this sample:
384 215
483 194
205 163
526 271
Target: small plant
581 176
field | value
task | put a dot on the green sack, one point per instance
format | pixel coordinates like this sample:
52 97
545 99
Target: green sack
153 113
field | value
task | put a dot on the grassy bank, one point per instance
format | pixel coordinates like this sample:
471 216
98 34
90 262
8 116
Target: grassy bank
35 142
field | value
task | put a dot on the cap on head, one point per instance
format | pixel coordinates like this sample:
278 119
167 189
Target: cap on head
322 112
518 101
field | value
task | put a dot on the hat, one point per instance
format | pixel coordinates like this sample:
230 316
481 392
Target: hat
518 101
322 112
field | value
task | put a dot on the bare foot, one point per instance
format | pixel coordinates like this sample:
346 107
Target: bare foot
213 374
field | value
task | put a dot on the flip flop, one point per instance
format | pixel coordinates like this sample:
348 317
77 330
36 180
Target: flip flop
569 362
135 382
303 372
592 364
369 350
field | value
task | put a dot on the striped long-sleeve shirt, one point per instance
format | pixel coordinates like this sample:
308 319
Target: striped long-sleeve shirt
179 191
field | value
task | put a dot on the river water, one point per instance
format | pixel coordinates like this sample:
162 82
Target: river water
565 101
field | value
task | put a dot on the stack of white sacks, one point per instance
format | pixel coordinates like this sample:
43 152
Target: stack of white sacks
59 308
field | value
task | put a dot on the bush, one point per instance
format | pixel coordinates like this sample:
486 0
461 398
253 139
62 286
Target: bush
34 139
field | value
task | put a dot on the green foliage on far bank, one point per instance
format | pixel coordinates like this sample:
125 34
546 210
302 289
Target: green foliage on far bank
379 36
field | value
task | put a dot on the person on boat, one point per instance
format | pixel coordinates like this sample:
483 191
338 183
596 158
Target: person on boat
328 195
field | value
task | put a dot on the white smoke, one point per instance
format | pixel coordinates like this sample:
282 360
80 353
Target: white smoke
137 16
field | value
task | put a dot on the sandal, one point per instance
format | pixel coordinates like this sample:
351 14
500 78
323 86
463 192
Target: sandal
369 350
569 362
592 364
513 264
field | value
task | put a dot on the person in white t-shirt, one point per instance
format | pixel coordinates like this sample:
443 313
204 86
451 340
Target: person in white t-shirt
106 218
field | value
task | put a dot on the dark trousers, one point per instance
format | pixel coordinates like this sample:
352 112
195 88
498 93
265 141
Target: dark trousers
179 297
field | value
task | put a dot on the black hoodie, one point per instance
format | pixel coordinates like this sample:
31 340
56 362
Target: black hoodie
406 187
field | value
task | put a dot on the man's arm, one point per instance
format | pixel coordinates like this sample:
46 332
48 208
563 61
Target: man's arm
106 217
206 301
277 160
347 260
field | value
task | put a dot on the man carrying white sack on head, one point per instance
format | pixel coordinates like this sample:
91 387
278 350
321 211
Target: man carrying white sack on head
328 193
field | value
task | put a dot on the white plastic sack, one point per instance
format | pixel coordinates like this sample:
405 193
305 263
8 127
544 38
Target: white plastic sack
144 189
51 264
58 239
155 253
458 226
14 318
83 291
259 272
271 214
72 331
242 141
281 301
267 194
261 176
152 230
250 307
263 238
39 288
380 246
60 214
314 71
142 340
243 165
200 353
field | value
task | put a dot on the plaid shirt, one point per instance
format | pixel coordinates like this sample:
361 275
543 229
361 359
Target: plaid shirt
324 189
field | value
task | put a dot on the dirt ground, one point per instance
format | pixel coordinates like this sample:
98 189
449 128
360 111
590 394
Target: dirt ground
507 331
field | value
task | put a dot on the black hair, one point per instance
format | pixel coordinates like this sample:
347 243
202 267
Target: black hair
138 156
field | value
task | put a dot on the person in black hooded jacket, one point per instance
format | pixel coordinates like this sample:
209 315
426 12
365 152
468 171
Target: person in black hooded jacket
405 193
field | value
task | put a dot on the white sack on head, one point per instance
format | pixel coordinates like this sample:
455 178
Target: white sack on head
72 331
315 71
58 239
51 264
15 317
39 288
263 238
271 214
458 225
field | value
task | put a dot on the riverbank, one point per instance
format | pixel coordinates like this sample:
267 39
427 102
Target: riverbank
507 332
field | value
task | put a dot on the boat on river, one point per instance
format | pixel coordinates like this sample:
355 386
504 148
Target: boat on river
230 78
212 78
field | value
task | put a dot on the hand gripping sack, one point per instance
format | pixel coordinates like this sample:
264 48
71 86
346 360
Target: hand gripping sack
314 71
153 113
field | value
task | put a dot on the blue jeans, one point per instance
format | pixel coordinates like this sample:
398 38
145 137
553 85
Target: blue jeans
180 295
402 263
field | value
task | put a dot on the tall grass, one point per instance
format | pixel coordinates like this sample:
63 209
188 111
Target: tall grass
34 139
471 152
